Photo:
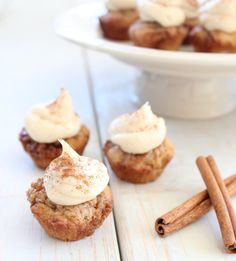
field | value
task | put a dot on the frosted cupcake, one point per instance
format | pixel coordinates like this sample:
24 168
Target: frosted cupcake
161 25
217 32
73 199
46 123
138 149
120 16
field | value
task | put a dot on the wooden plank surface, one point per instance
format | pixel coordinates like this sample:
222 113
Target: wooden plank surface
34 64
137 206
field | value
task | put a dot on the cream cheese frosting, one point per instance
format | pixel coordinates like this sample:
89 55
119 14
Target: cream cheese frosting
138 132
222 16
190 8
46 123
72 179
166 14
117 5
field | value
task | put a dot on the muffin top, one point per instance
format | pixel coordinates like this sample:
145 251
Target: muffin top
221 16
168 13
138 132
117 5
72 179
190 8
46 123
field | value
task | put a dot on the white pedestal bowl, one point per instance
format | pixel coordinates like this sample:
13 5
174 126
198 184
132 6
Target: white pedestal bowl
180 84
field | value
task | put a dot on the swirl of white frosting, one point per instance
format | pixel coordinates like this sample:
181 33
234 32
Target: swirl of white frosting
47 123
72 179
166 14
116 5
222 16
138 132
190 8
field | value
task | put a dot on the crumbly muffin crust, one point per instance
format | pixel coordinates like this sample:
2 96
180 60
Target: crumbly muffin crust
43 153
68 223
153 35
115 25
213 41
139 168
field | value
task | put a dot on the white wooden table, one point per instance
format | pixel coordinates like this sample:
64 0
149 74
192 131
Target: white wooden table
34 64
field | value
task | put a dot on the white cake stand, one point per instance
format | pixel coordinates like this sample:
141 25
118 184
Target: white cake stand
180 84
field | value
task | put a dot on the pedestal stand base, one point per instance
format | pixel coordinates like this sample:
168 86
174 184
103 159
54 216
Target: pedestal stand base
188 98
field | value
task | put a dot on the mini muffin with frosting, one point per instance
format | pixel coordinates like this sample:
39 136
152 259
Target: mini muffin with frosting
46 123
138 149
120 16
161 25
217 32
73 198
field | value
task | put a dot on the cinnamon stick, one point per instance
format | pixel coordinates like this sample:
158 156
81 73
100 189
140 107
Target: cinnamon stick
220 200
190 211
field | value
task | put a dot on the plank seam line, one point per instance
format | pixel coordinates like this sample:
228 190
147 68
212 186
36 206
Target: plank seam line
94 109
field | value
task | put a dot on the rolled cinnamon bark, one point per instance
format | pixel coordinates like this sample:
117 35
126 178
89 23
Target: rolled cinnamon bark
220 200
189 211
